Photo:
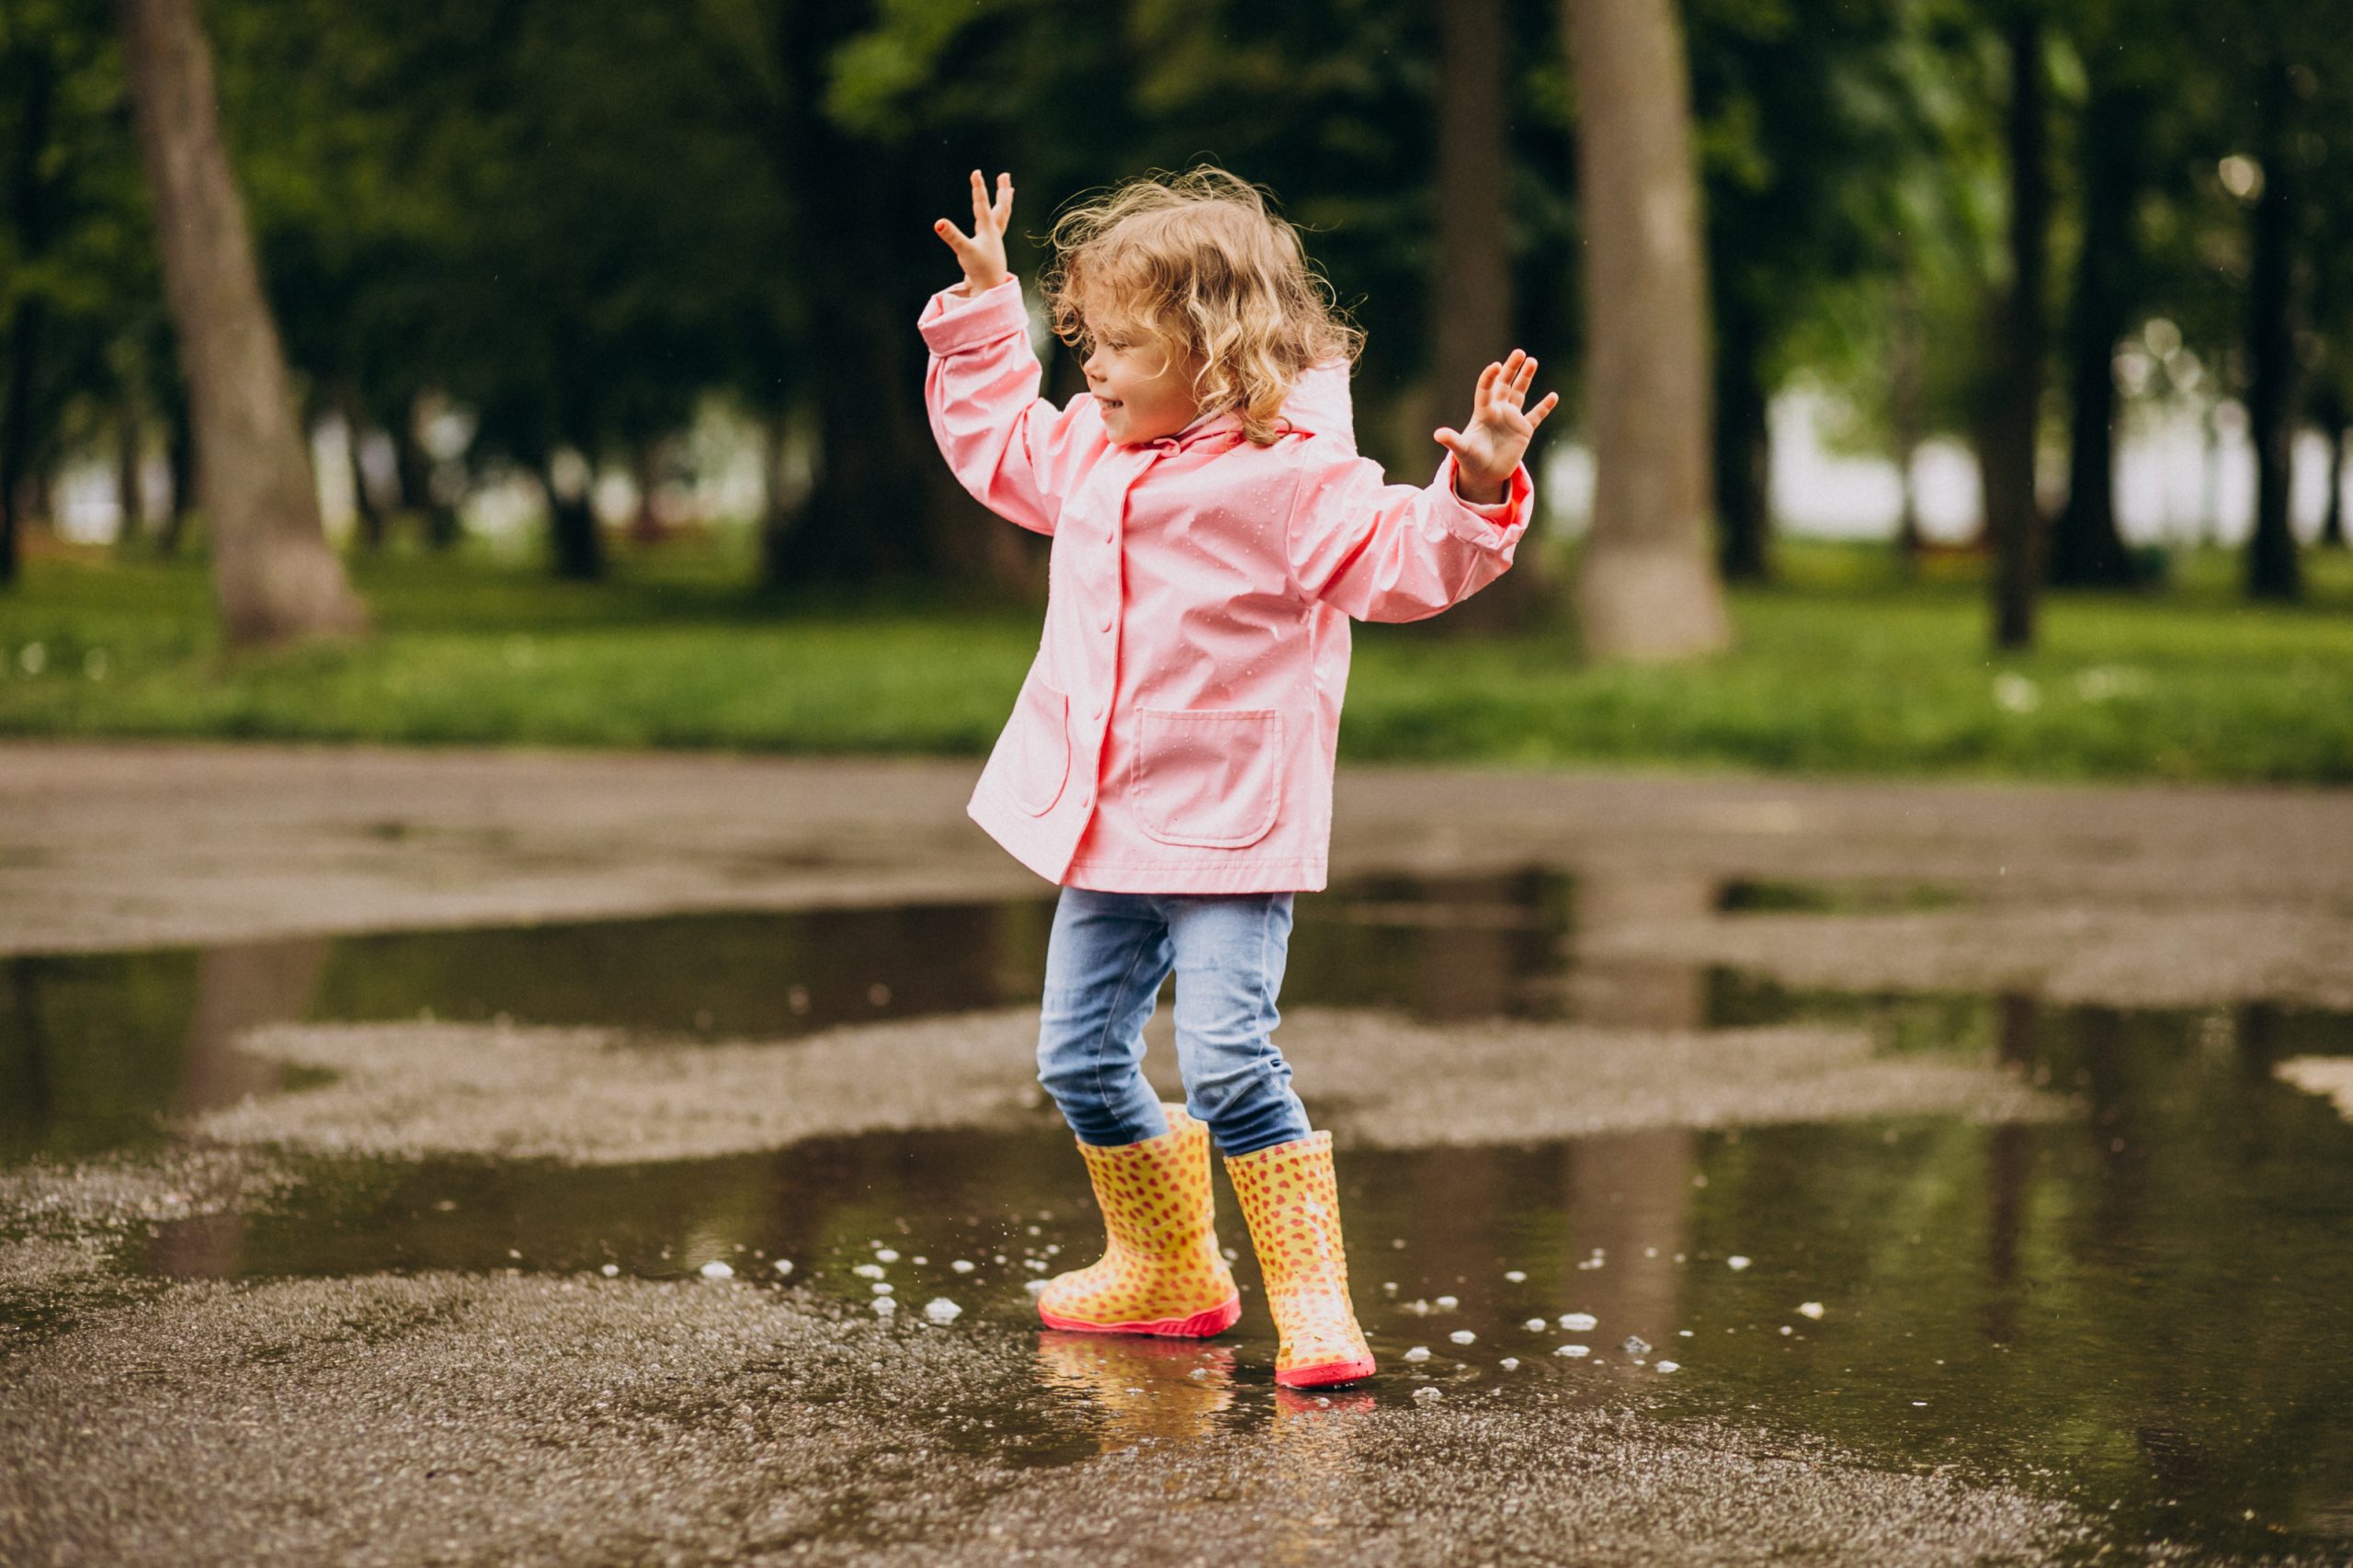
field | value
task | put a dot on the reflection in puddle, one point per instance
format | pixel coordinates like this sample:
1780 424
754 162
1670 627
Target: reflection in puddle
1160 1389
2141 1306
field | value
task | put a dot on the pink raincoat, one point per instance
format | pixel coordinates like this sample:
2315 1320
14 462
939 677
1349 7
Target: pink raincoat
1176 730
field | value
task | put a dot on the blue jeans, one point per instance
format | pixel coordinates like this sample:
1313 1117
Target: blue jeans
1104 965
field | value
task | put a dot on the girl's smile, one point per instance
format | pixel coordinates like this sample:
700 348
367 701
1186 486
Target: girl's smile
1143 390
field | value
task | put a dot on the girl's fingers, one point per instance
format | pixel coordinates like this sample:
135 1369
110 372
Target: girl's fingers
1536 416
980 204
953 234
1483 393
1000 212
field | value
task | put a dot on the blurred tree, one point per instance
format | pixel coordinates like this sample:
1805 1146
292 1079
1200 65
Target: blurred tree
1471 313
856 196
2011 421
273 574
2129 53
2272 570
1802 133
76 259
1646 587
2328 145
337 114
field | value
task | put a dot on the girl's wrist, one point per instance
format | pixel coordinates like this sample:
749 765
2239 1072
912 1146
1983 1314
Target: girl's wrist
1479 491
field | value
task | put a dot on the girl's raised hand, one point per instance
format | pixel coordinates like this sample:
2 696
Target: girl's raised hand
1489 447
981 253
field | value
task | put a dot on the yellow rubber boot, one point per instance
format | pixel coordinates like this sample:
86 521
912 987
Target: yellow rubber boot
1292 1205
1161 1271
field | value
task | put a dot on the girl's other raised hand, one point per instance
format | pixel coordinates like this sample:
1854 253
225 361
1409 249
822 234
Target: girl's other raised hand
1490 446
981 253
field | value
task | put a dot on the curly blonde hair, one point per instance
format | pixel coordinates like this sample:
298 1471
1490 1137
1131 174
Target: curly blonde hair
1201 262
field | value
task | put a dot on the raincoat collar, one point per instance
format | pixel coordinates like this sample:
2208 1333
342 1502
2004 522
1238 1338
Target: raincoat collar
1318 404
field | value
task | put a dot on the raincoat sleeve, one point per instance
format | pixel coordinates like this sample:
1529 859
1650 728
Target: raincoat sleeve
1383 552
1015 451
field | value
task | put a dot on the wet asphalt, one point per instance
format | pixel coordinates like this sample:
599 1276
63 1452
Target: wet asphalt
385 1287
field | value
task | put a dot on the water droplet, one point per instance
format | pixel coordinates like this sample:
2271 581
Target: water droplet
1462 1336
1419 1353
715 1269
940 1309
1574 1352
1736 1263
963 1266
1811 1309
1578 1322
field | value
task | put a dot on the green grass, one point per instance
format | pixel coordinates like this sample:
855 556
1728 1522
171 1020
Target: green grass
1840 668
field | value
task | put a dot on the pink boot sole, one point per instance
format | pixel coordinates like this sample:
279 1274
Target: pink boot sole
1201 1325
1325 1375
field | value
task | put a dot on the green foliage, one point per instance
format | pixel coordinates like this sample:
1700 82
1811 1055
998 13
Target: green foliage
1840 670
80 291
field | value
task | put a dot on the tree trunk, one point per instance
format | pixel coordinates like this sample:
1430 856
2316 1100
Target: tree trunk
25 333
1907 401
2272 569
1646 588
1744 448
272 571
28 199
575 543
781 496
2087 548
1471 315
369 515
2332 412
179 452
2013 419
412 470
645 478
129 458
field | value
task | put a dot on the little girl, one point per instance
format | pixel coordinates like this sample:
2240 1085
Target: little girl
1169 759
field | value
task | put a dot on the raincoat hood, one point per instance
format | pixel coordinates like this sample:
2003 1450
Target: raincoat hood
1318 404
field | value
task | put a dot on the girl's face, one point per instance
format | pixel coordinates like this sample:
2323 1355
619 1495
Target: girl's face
1143 390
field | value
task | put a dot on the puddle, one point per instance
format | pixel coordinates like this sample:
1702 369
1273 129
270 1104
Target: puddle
2138 1307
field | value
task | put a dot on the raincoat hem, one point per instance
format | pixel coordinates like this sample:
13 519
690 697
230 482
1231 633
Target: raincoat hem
1299 875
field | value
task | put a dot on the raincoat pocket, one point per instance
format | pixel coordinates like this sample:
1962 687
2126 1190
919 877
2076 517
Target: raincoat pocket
1033 755
1211 780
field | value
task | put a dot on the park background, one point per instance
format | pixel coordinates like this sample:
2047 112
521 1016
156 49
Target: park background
1994 364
